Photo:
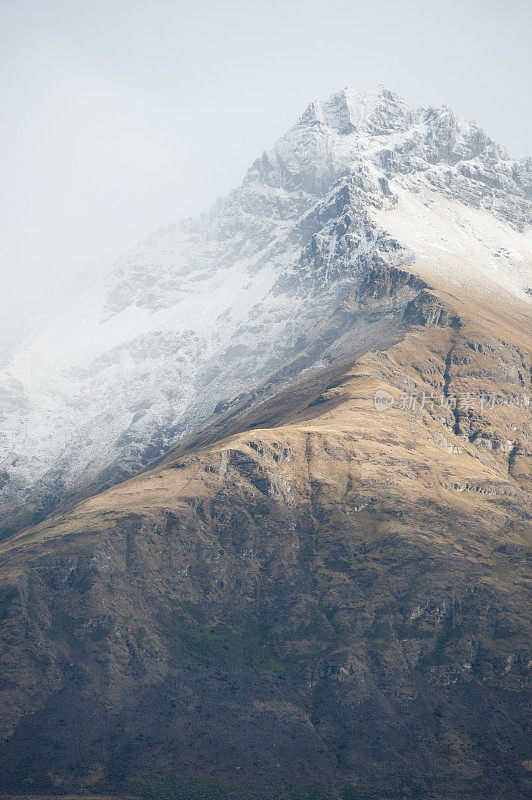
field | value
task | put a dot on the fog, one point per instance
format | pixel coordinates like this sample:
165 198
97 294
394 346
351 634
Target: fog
120 116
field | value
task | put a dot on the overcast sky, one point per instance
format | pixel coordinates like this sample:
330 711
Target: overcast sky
120 116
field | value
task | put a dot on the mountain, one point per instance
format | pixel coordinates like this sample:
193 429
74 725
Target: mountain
209 308
279 467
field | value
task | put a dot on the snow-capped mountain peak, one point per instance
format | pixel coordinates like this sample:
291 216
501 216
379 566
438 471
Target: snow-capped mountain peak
206 309
349 111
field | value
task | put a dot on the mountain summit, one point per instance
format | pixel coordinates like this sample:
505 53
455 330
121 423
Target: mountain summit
212 307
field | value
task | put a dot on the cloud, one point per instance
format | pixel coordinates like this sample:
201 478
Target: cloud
81 155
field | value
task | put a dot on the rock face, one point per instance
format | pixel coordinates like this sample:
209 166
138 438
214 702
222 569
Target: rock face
320 591
209 308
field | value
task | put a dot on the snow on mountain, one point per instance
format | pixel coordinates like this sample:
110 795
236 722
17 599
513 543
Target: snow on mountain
207 308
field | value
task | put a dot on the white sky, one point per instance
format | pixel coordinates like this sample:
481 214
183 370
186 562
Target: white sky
120 116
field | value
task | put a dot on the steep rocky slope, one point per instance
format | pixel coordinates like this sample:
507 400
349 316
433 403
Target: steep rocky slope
319 594
207 309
